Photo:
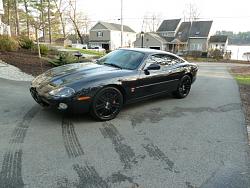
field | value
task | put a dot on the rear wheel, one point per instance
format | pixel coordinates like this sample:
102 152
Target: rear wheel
107 104
184 87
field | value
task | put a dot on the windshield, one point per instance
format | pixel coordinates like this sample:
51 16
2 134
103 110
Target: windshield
124 59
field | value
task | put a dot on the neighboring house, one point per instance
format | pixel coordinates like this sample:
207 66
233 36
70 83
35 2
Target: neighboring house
168 30
108 36
4 29
218 42
199 35
152 41
180 42
176 36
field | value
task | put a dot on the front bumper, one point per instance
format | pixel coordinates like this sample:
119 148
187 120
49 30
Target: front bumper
73 105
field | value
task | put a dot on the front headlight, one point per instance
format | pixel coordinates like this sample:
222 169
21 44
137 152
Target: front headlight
62 92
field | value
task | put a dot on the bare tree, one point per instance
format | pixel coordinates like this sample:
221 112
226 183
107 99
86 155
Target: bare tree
25 2
78 19
191 12
61 8
151 22
247 55
49 21
16 5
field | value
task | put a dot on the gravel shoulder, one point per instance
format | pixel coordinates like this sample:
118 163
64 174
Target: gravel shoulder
244 93
13 73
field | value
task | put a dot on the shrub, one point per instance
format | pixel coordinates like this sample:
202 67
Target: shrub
195 54
7 43
247 56
64 58
43 49
25 42
216 54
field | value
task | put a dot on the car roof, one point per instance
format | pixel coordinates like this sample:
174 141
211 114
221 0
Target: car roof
146 50
149 51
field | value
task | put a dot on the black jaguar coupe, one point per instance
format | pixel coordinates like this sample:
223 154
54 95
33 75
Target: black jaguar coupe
120 77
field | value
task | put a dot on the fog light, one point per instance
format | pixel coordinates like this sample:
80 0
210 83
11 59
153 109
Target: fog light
62 106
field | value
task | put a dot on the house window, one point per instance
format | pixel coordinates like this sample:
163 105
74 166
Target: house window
196 47
99 34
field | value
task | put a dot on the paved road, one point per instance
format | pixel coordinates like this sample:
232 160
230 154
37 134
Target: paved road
199 141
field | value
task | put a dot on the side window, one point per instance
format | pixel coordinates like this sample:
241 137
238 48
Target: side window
164 60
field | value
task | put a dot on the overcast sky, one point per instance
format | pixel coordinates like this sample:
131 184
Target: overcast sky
226 14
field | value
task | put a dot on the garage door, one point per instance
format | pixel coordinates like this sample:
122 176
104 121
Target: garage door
155 47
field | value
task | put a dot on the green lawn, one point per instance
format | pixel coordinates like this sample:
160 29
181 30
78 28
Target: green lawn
90 52
243 79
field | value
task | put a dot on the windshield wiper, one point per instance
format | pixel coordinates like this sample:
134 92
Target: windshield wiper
113 65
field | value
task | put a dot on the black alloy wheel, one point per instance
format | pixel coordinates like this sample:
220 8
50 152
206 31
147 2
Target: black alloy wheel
107 104
184 87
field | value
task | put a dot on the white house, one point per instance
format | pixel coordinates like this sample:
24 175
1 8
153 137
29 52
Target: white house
108 36
219 42
4 29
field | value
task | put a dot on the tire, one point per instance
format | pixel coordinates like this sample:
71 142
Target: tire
107 103
184 87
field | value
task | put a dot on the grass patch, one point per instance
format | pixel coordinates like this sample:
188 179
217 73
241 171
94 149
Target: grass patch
200 59
243 79
90 52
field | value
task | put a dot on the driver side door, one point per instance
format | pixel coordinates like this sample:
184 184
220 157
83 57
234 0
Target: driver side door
153 82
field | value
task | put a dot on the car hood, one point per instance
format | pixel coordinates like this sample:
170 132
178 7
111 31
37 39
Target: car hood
73 72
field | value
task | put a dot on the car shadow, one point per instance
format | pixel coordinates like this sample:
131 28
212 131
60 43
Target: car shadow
145 102
87 118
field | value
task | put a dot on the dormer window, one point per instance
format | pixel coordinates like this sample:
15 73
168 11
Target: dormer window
99 34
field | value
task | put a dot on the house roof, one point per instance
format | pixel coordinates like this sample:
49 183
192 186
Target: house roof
157 37
200 29
183 32
169 25
169 39
218 38
116 27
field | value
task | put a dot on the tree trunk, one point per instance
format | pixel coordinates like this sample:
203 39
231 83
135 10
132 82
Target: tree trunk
58 7
42 20
49 23
17 18
38 44
8 11
63 25
77 31
27 18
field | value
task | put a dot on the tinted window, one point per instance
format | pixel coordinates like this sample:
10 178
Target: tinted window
163 59
126 59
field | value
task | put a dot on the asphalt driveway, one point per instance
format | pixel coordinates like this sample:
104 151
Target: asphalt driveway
199 141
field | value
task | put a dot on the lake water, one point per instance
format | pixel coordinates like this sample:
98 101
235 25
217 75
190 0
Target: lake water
238 51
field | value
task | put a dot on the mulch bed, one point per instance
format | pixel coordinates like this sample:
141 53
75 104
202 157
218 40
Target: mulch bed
27 61
245 94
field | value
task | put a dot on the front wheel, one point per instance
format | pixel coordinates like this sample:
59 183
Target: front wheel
107 104
184 87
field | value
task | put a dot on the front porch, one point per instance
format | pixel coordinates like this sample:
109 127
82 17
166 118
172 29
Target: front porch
176 46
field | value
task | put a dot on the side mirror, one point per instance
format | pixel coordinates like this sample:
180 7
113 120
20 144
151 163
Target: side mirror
152 67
